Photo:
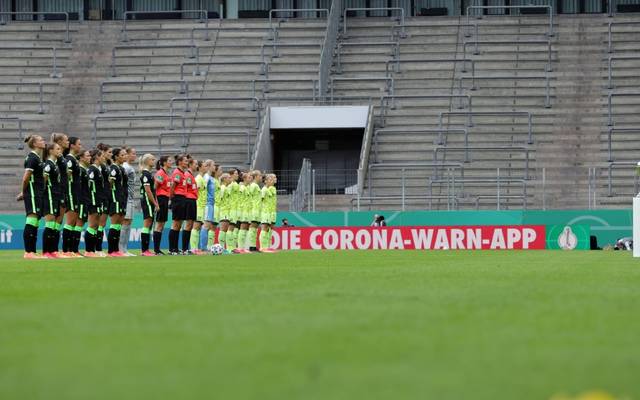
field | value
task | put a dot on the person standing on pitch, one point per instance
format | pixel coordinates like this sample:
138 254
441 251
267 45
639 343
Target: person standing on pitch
32 192
269 207
71 232
131 206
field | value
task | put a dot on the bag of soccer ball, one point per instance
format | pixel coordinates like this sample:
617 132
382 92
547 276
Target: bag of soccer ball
217 250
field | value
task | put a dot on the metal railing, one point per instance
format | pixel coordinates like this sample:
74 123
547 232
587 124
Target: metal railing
395 199
547 84
507 149
610 31
610 175
470 114
94 133
546 7
204 18
301 196
365 151
395 131
610 66
67 37
328 45
384 102
194 52
476 43
610 97
392 9
187 135
184 87
394 45
272 29
275 46
452 186
40 91
464 62
18 120
267 89
264 66
389 82
610 131
54 56
255 105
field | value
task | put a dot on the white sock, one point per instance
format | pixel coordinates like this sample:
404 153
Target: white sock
124 238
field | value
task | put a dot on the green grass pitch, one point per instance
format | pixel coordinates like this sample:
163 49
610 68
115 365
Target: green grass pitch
321 325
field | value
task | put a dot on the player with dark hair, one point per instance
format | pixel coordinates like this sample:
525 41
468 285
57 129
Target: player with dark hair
32 192
71 233
107 154
52 197
191 204
148 201
163 184
85 196
62 140
178 202
118 185
96 190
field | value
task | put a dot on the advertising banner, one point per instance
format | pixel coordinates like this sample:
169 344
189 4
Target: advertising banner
522 237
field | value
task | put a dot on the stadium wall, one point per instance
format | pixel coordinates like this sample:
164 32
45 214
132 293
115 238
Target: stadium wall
606 225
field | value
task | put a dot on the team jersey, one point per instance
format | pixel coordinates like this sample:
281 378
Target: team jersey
85 195
96 184
163 183
106 185
130 173
33 163
118 186
202 191
269 199
217 191
179 182
225 197
61 163
191 185
255 196
73 175
210 189
51 171
243 197
125 185
146 179
234 195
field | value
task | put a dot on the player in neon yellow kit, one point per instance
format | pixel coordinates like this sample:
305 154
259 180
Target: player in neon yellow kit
234 208
225 206
201 203
255 208
217 173
269 209
243 212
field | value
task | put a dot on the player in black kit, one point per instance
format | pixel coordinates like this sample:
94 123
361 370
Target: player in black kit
53 197
71 232
32 193
96 192
63 141
106 195
148 201
118 200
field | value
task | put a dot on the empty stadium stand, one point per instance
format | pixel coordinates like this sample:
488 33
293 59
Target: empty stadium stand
480 113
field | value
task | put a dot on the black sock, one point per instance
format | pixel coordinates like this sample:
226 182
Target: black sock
173 240
157 238
56 241
89 242
186 238
110 236
99 239
66 240
76 241
116 240
30 237
46 240
144 242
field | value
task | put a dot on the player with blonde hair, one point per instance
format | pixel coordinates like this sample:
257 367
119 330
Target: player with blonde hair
269 210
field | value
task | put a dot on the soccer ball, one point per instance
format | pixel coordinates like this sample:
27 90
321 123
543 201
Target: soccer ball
217 250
